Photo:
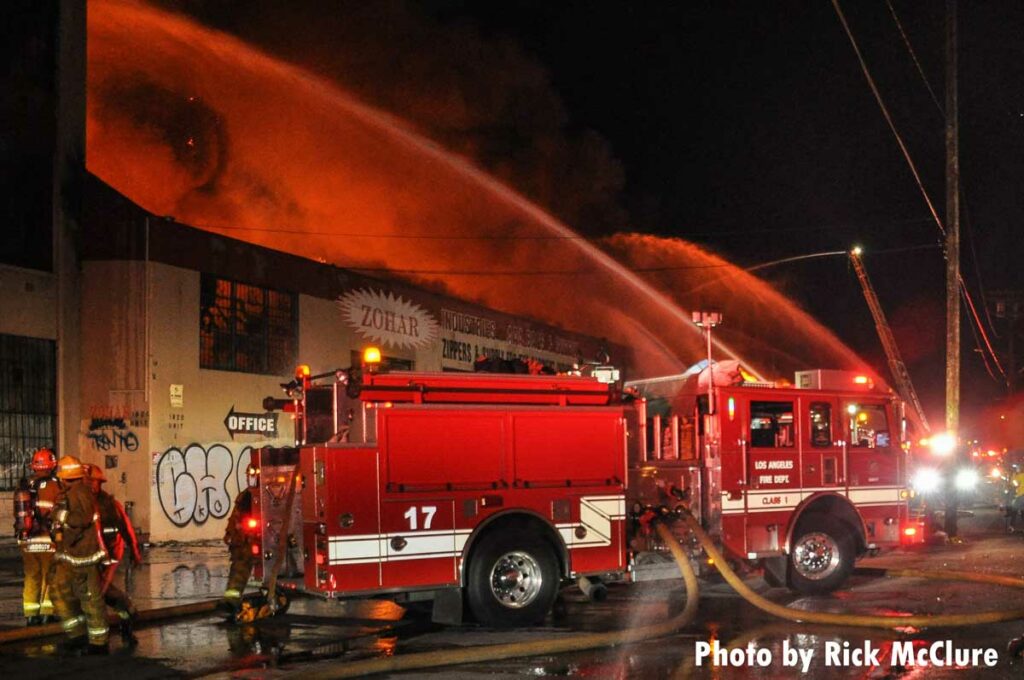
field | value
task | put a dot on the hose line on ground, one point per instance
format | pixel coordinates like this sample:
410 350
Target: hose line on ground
865 620
575 643
54 629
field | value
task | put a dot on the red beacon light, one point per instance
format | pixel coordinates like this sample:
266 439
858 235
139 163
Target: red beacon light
252 524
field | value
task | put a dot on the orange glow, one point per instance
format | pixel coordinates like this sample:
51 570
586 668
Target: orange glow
316 173
861 380
910 531
302 371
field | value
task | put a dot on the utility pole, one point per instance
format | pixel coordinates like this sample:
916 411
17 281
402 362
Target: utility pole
952 265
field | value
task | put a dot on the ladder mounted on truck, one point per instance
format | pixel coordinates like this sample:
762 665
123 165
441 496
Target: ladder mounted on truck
896 366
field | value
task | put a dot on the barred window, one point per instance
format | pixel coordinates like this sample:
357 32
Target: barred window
246 328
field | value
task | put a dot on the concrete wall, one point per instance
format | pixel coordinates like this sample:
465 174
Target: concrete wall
196 468
155 420
112 421
28 303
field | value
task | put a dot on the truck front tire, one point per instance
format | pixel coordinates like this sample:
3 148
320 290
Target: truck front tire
513 579
822 555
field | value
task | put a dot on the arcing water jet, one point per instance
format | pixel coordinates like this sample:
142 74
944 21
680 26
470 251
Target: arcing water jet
193 123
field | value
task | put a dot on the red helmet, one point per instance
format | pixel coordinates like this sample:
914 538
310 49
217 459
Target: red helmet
44 460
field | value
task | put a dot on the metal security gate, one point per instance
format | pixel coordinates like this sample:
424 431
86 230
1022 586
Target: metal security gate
28 398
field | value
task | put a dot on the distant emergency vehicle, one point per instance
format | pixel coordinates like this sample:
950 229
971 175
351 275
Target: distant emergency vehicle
486 492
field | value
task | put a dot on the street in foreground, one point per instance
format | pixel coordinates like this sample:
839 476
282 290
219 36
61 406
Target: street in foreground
314 633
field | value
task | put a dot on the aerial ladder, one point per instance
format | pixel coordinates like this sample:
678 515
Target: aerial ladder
904 386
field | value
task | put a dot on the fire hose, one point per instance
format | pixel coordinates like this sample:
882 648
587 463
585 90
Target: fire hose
54 629
865 620
588 641
575 643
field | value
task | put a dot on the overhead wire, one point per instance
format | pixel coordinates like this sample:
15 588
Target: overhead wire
587 272
831 228
913 56
913 168
963 196
888 117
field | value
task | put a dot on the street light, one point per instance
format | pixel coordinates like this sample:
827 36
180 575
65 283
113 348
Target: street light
707 321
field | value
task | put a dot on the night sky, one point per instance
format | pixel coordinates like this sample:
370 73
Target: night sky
745 127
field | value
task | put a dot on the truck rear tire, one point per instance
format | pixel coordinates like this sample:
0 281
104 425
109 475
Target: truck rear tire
822 555
513 579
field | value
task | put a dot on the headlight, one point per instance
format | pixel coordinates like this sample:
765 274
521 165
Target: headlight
966 479
926 480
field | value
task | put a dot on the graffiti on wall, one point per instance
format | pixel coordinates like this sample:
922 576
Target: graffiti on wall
197 482
111 435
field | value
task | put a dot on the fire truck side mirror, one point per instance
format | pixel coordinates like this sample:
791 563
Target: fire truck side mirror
273 404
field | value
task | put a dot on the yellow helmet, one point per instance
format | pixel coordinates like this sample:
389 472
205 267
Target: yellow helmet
69 467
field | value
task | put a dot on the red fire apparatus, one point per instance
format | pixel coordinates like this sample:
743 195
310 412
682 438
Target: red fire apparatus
491 490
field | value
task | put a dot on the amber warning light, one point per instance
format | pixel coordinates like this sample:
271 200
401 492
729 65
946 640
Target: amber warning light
371 358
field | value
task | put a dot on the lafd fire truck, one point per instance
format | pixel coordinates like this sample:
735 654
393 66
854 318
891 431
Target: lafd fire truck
487 492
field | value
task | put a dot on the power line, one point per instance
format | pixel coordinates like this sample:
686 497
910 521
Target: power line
589 272
555 237
888 118
913 169
970 229
913 55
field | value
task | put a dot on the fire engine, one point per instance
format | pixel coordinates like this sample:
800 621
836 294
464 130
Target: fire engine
487 492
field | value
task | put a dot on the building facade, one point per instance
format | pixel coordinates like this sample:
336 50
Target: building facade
147 347
185 332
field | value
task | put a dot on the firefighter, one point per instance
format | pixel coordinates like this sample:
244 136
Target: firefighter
117 532
80 551
1016 508
33 503
240 545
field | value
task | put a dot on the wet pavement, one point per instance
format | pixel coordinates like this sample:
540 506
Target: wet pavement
315 633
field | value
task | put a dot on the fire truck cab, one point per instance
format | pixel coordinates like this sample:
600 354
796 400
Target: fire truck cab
486 492
800 479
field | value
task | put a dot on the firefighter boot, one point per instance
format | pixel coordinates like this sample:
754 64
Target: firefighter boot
75 646
127 634
98 650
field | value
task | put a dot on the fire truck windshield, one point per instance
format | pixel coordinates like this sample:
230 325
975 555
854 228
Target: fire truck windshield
868 426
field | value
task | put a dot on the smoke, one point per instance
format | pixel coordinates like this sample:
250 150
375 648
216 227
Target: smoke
481 97
190 122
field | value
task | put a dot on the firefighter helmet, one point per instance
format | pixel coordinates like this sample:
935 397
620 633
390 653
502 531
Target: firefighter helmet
44 460
69 467
95 474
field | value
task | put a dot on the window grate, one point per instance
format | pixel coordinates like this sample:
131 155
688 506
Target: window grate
246 328
28 397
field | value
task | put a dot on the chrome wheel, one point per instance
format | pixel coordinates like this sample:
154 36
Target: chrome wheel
516 578
816 556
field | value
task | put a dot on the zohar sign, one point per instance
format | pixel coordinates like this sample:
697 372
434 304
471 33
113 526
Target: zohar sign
388 319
